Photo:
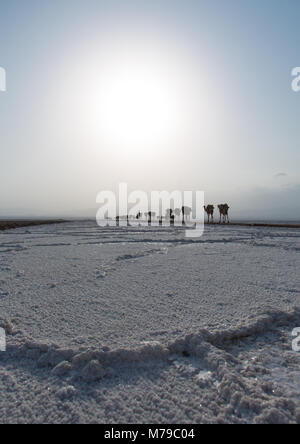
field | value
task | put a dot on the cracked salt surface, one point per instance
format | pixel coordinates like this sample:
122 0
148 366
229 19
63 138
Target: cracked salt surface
281 366
81 306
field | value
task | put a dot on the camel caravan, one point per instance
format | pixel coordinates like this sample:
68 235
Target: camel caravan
223 210
186 212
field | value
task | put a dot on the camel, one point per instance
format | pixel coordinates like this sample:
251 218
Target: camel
209 209
149 215
169 213
177 212
223 208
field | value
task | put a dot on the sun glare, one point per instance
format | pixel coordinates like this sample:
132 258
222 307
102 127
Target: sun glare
134 106
136 103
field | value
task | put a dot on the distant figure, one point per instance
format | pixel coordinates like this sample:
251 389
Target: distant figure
151 214
223 208
169 213
177 212
209 209
186 213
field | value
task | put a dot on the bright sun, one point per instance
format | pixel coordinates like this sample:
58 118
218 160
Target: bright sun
135 106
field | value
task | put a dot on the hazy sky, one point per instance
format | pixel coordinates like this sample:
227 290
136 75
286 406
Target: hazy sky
163 95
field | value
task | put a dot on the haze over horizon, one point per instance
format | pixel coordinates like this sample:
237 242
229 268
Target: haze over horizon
162 95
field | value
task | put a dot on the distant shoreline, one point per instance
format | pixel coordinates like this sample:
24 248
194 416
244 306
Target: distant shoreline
262 224
11 224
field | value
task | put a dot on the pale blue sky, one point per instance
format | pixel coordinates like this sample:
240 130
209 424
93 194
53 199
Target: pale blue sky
234 123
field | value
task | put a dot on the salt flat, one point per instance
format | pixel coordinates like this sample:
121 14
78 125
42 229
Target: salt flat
146 325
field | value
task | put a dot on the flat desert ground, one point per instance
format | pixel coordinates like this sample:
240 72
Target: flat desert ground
144 325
